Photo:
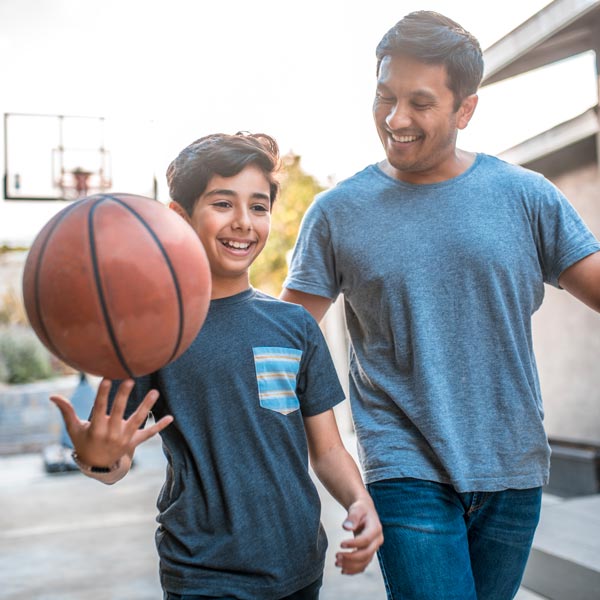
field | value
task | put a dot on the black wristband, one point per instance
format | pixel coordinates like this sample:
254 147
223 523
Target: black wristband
92 468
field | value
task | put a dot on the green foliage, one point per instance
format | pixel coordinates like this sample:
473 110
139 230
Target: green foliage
297 192
22 356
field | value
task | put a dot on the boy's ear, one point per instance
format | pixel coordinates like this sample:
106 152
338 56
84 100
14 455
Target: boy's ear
180 211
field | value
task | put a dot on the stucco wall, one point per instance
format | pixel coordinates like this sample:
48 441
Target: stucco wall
567 335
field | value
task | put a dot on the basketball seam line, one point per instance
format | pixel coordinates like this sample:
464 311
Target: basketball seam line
169 265
103 305
36 281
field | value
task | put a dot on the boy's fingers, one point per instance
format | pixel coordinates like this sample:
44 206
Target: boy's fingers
101 401
120 402
141 413
66 409
147 433
355 518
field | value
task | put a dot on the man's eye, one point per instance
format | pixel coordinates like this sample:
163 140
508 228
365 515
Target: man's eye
384 98
421 106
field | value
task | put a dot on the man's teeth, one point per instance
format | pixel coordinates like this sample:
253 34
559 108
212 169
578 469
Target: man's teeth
238 245
405 138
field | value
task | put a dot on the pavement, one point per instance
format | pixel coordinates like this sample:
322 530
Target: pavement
67 537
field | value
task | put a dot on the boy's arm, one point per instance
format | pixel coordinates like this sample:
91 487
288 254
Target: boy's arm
582 280
317 306
338 472
105 444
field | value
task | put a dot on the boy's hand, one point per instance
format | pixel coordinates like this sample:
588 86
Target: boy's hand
363 520
104 439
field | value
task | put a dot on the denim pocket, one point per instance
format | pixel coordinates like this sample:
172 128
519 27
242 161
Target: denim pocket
276 371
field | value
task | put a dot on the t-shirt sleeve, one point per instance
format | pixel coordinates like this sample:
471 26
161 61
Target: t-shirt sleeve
312 267
318 386
562 236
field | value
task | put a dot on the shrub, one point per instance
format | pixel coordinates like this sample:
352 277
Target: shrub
23 356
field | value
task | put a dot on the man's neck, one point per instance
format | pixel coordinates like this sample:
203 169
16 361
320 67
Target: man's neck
460 162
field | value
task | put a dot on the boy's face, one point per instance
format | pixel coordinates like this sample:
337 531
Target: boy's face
232 219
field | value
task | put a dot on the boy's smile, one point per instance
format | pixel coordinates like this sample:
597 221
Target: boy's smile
232 219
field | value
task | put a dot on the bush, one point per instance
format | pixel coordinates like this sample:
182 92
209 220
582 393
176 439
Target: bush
23 358
12 309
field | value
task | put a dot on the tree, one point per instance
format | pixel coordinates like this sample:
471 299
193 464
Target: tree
297 192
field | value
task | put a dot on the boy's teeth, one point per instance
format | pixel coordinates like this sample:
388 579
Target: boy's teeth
238 245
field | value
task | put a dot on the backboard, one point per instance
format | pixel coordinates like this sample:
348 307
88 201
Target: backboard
59 157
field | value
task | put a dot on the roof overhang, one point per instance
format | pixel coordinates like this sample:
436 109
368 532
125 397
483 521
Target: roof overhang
560 30
566 146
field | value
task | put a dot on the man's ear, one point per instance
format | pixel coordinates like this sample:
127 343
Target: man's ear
180 211
466 110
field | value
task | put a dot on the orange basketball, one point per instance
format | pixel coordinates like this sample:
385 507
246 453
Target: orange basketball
116 285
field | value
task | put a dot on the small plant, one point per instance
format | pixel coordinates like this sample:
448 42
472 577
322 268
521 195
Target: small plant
23 358
12 309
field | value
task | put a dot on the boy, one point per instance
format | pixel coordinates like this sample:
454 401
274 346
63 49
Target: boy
247 403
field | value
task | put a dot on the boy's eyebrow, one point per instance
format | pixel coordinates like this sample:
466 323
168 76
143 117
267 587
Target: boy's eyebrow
228 192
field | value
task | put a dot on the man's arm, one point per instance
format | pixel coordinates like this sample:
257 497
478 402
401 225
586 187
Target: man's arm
338 472
582 280
317 306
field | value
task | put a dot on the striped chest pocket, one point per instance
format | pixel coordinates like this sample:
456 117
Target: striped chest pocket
276 371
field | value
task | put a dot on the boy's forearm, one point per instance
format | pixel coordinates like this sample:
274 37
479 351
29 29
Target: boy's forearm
338 472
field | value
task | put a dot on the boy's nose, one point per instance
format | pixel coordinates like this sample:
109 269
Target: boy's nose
242 220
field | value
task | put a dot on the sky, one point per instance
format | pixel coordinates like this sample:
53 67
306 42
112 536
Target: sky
303 72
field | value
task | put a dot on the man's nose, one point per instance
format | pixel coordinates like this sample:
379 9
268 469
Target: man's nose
398 117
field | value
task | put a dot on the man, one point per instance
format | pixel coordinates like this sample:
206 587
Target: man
442 256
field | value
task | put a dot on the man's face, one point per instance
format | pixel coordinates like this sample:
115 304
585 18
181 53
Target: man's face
416 121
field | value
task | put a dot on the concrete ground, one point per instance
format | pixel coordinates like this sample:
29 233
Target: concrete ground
67 537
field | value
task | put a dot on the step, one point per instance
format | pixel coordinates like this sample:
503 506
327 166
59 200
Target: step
565 559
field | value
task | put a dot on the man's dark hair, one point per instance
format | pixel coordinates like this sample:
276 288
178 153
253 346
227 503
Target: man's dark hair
432 38
220 154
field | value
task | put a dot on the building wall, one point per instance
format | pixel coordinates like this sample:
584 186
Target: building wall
567 335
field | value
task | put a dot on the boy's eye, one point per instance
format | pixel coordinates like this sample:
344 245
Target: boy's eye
222 203
260 208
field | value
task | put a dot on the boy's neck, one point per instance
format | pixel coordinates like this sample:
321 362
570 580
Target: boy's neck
226 288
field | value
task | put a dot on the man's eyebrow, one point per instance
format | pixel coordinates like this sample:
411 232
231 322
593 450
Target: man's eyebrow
424 94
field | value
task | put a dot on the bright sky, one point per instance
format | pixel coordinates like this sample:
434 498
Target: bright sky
302 71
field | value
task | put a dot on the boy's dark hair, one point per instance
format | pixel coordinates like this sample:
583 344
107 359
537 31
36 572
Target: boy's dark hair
432 38
220 154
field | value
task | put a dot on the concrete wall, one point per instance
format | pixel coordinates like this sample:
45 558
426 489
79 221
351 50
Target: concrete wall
28 420
567 335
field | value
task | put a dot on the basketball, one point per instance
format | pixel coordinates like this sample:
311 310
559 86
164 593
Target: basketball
116 285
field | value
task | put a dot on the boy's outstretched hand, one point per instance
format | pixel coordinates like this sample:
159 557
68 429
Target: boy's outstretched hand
105 439
363 520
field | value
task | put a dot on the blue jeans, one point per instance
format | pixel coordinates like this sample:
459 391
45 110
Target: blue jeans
443 544
310 592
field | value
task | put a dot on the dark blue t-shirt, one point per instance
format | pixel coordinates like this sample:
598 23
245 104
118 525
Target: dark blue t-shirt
239 513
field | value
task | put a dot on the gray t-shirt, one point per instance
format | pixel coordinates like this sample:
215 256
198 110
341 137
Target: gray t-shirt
440 282
239 513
